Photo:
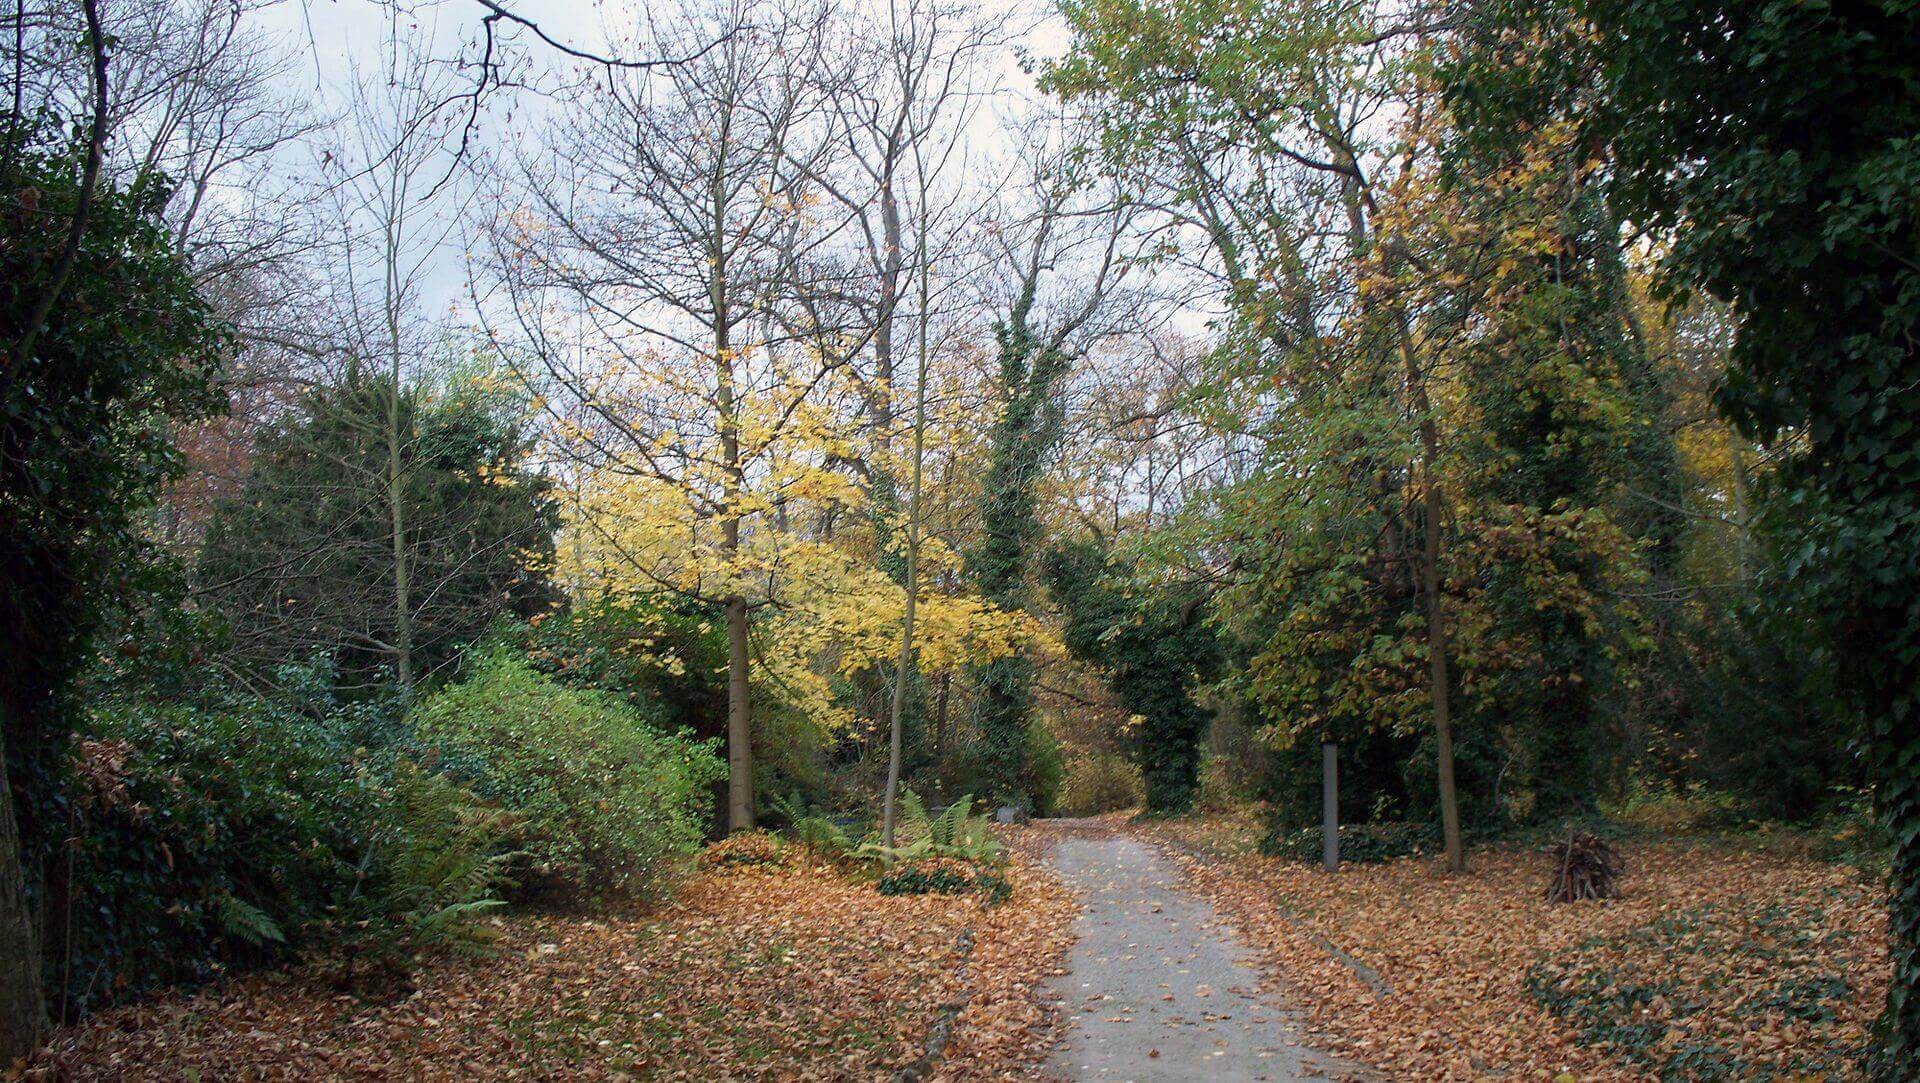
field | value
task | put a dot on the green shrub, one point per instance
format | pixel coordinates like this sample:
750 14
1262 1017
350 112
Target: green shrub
226 831
666 659
605 801
1099 782
205 838
1361 844
945 876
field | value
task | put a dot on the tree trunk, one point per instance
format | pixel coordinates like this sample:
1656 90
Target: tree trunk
397 507
739 672
1743 523
739 720
1437 650
22 1012
1439 683
940 715
904 669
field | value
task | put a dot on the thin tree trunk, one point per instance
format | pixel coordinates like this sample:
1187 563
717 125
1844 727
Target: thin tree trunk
22 1012
1437 655
396 503
396 211
1743 538
1439 682
739 675
904 669
739 720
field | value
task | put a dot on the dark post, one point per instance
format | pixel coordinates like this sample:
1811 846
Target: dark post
1330 805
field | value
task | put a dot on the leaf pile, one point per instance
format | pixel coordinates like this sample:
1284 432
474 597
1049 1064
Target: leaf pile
1008 1027
1715 962
755 972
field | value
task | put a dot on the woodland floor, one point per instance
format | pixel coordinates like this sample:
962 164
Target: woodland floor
778 973
1718 962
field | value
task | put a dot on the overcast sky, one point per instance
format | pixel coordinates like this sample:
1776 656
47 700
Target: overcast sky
337 41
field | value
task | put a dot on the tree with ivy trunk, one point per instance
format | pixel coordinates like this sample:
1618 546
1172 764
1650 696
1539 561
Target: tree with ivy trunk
106 344
1775 146
1028 429
1153 643
1074 231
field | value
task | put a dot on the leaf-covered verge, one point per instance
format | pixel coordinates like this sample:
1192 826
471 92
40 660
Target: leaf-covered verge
1717 962
777 970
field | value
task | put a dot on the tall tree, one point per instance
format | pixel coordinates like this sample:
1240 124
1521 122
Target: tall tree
1077 230
1776 146
301 560
105 341
930 60
1263 127
677 309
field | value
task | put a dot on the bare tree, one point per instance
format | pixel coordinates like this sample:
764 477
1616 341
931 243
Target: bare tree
667 226
905 129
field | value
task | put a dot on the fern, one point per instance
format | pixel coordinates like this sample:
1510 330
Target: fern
242 920
446 862
813 828
956 832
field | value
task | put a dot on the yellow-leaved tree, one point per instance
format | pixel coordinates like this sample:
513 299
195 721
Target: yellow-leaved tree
668 285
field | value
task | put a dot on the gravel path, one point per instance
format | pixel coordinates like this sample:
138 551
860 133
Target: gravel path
1156 988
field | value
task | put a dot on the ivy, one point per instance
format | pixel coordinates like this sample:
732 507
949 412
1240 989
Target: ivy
1154 646
1027 433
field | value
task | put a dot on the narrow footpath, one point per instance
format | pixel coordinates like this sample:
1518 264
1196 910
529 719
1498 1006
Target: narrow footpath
1156 986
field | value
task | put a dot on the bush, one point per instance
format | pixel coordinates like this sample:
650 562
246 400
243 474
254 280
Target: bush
204 838
666 659
605 802
944 876
1361 844
223 831
1099 782
1674 809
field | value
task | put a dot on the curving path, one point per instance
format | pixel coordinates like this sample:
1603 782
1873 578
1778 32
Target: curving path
1156 987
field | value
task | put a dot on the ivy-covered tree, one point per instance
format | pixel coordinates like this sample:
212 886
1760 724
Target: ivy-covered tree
1030 369
106 344
301 561
1775 146
1152 641
1074 224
